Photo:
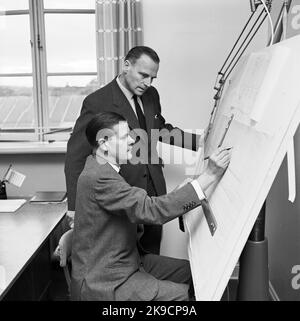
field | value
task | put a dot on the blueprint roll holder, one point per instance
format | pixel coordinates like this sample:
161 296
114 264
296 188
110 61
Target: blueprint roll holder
254 272
3 195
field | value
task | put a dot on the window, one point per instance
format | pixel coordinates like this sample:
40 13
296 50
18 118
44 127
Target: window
47 66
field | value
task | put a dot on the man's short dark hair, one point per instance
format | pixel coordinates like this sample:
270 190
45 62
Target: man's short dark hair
101 122
136 52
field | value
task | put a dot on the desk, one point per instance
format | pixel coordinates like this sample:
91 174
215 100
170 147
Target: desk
24 249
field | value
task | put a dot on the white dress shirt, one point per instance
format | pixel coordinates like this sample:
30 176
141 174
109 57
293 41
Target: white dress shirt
129 95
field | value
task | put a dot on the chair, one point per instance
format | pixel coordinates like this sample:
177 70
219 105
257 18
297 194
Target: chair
63 254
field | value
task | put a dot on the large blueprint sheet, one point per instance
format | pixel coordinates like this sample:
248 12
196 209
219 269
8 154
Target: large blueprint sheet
263 96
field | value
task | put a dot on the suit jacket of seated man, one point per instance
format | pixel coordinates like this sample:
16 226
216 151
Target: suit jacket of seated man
104 247
111 98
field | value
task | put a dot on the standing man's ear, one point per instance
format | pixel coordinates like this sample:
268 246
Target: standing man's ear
126 66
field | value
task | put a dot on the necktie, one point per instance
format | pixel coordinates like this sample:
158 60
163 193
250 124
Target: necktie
140 114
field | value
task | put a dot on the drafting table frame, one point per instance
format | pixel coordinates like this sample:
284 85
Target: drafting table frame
253 272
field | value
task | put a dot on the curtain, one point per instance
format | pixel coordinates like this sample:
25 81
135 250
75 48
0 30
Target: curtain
118 29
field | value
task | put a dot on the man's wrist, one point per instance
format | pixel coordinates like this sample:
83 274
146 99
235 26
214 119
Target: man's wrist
205 180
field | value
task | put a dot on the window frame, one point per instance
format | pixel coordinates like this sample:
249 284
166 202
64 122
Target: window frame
14 134
42 131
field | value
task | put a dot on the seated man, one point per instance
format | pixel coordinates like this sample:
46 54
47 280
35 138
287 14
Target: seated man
106 264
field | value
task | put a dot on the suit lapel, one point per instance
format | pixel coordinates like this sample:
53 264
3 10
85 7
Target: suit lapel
148 111
124 107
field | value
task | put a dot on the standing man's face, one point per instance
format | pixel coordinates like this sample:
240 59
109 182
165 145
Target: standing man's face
139 75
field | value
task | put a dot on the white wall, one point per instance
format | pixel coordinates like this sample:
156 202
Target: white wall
192 38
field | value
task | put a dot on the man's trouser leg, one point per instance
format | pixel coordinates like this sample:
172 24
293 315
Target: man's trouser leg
169 269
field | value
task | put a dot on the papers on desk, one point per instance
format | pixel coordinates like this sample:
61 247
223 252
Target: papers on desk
11 205
48 197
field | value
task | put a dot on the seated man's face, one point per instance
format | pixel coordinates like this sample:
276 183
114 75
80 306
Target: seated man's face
120 144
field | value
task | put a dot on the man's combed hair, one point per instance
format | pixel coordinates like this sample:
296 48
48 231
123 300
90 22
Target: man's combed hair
101 122
136 52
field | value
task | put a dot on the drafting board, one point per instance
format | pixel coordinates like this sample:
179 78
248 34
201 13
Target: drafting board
264 97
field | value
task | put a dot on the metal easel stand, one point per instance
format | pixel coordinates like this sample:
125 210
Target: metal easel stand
254 271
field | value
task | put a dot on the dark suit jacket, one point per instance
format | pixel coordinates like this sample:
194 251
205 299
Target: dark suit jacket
111 98
104 248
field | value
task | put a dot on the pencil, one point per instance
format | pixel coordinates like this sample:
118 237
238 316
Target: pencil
207 157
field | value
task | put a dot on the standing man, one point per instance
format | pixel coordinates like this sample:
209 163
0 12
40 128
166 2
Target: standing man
132 96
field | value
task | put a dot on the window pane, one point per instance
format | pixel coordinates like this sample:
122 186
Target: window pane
16 103
69 4
15 53
65 98
73 48
13 5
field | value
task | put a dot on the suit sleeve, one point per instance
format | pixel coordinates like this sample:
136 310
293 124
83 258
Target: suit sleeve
174 135
78 149
119 198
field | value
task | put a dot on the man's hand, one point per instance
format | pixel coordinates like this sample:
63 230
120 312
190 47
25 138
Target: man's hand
217 164
201 141
70 218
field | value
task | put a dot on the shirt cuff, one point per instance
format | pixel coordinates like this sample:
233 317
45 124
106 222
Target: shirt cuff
198 190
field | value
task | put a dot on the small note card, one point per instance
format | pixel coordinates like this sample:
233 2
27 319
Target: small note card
14 177
11 205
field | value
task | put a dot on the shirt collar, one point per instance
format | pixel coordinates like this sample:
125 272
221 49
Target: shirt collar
125 91
103 160
115 167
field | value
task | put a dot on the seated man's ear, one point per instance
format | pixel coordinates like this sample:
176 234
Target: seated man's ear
102 143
